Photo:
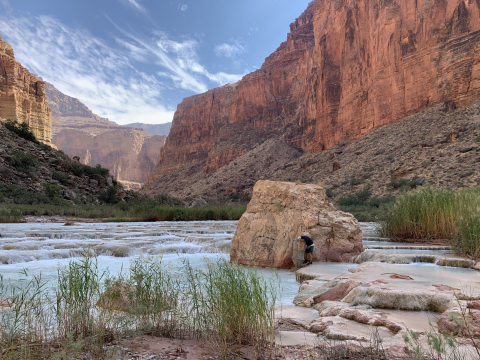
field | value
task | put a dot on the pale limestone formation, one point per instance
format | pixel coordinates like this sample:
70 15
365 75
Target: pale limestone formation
279 212
23 95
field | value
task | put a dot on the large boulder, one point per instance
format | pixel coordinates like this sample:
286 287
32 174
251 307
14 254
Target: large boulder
279 212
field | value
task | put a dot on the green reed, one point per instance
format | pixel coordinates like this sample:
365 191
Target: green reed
225 304
143 211
437 213
10 215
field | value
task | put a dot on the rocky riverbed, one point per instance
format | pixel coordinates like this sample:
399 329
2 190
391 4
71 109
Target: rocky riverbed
389 288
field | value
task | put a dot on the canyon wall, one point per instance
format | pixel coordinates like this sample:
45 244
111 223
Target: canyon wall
23 95
71 113
154 129
130 154
347 68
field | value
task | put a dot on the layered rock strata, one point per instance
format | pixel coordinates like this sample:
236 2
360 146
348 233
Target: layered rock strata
71 113
23 95
279 212
347 68
130 154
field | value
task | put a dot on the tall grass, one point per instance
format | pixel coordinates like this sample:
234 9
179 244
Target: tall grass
124 212
468 239
437 213
224 304
10 215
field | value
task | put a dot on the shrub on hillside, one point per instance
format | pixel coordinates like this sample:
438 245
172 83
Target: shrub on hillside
166 200
61 177
399 183
52 191
78 169
24 162
364 207
21 129
109 196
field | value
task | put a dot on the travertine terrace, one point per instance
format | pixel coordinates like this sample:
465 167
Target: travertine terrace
23 96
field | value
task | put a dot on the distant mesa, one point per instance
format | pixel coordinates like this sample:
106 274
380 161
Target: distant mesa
154 129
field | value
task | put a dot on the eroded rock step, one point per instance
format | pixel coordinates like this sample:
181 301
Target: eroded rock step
382 298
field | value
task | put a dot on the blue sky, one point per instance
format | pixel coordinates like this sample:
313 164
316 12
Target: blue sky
135 60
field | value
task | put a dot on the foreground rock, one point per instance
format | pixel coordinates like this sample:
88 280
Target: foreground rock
280 212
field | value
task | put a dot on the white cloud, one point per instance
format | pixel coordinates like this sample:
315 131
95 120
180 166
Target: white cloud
105 79
82 66
134 4
183 7
135 52
253 29
230 50
180 60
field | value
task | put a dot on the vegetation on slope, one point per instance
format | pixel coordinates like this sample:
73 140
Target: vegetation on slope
37 180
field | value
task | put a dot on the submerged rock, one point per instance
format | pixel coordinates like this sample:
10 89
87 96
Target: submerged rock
279 212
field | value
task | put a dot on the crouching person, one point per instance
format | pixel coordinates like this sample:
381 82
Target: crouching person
309 250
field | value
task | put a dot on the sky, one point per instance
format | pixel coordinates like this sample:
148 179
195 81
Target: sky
135 60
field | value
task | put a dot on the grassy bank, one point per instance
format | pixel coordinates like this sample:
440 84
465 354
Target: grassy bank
16 203
437 213
365 207
225 305
139 211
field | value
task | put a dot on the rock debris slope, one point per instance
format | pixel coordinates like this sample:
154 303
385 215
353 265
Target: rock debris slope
41 169
23 95
347 68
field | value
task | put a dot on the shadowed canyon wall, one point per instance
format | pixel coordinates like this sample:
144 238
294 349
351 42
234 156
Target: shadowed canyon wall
23 95
129 153
347 67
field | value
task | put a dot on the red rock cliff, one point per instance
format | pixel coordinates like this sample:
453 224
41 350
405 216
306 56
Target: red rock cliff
347 67
23 95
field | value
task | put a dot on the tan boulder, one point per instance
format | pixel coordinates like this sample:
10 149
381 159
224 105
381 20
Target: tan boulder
279 212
